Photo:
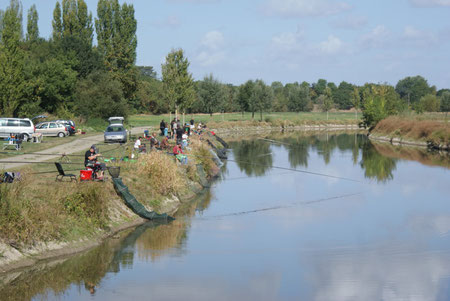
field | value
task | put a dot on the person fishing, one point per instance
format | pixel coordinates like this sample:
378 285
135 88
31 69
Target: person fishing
90 160
179 154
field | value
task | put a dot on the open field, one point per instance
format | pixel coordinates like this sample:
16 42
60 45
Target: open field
298 118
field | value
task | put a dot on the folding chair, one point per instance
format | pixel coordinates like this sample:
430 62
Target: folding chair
62 174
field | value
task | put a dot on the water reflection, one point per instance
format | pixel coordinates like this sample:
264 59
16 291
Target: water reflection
378 161
254 157
375 165
388 243
149 242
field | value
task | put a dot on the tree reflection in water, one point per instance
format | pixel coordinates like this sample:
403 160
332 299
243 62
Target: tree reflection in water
253 157
375 165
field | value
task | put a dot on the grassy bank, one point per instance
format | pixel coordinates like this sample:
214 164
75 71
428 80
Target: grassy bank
415 128
37 210
275 118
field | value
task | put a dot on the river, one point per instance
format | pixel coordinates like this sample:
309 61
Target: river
355 221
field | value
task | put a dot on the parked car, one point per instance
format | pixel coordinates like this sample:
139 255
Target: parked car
70 125
52 129
22 126
116 120
116 133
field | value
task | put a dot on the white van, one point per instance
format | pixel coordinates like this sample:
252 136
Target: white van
16 126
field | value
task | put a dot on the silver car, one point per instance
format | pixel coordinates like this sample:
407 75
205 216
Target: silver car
116 133
52 129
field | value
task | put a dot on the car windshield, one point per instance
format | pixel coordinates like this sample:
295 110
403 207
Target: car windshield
115 128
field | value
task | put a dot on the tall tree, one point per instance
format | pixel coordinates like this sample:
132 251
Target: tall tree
32 24
445 102
379 101
342 96
356 101
244 94
411 89
12 83
211 95
117 42
57 22
2 13
177 81
298 97
326 100
261 99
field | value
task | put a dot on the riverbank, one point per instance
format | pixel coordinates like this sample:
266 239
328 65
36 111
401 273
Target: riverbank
40 219
413 131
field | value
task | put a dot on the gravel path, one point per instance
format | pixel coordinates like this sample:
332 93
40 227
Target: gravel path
75 146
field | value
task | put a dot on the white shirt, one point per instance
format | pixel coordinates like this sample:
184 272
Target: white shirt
137 144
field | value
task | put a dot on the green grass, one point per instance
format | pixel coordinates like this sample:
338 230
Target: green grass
154 120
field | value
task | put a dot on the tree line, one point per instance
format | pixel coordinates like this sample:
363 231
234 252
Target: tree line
70 75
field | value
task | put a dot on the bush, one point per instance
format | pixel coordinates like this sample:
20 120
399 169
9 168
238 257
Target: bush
160 172
88 204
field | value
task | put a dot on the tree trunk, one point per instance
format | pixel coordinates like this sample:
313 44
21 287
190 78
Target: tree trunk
327 115
253 115
260 115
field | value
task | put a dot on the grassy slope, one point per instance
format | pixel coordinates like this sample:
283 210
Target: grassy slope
37 209
421 128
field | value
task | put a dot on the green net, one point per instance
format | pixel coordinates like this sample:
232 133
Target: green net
134 205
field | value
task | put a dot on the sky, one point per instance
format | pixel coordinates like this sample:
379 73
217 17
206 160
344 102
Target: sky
361 41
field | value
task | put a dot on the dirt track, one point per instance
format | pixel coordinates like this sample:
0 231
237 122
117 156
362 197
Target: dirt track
75 146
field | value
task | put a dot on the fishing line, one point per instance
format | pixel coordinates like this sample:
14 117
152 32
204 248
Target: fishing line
274 141
296 170
279 207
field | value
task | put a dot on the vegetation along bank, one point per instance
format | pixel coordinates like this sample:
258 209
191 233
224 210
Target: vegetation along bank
41 218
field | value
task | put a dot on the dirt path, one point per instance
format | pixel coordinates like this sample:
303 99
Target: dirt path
75 146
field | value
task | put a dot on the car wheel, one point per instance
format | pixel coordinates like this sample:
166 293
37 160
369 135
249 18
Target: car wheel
61 135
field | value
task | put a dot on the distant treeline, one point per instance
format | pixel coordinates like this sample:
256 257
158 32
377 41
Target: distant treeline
67 75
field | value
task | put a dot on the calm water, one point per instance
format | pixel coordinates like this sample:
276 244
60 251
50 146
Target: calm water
264 233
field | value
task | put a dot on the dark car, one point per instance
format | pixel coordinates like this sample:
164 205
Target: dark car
69 124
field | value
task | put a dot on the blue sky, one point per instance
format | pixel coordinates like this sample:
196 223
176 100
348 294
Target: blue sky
292 40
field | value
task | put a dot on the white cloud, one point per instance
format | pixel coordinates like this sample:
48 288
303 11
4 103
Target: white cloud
289 45
430 3
350 22
379 37
193 1
288 41
213 40
304 8
331 46
169 22
420 37
212 49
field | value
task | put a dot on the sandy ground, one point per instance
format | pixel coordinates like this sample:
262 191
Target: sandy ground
75 146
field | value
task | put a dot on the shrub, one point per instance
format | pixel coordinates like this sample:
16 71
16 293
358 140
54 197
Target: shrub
88 204
161 173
